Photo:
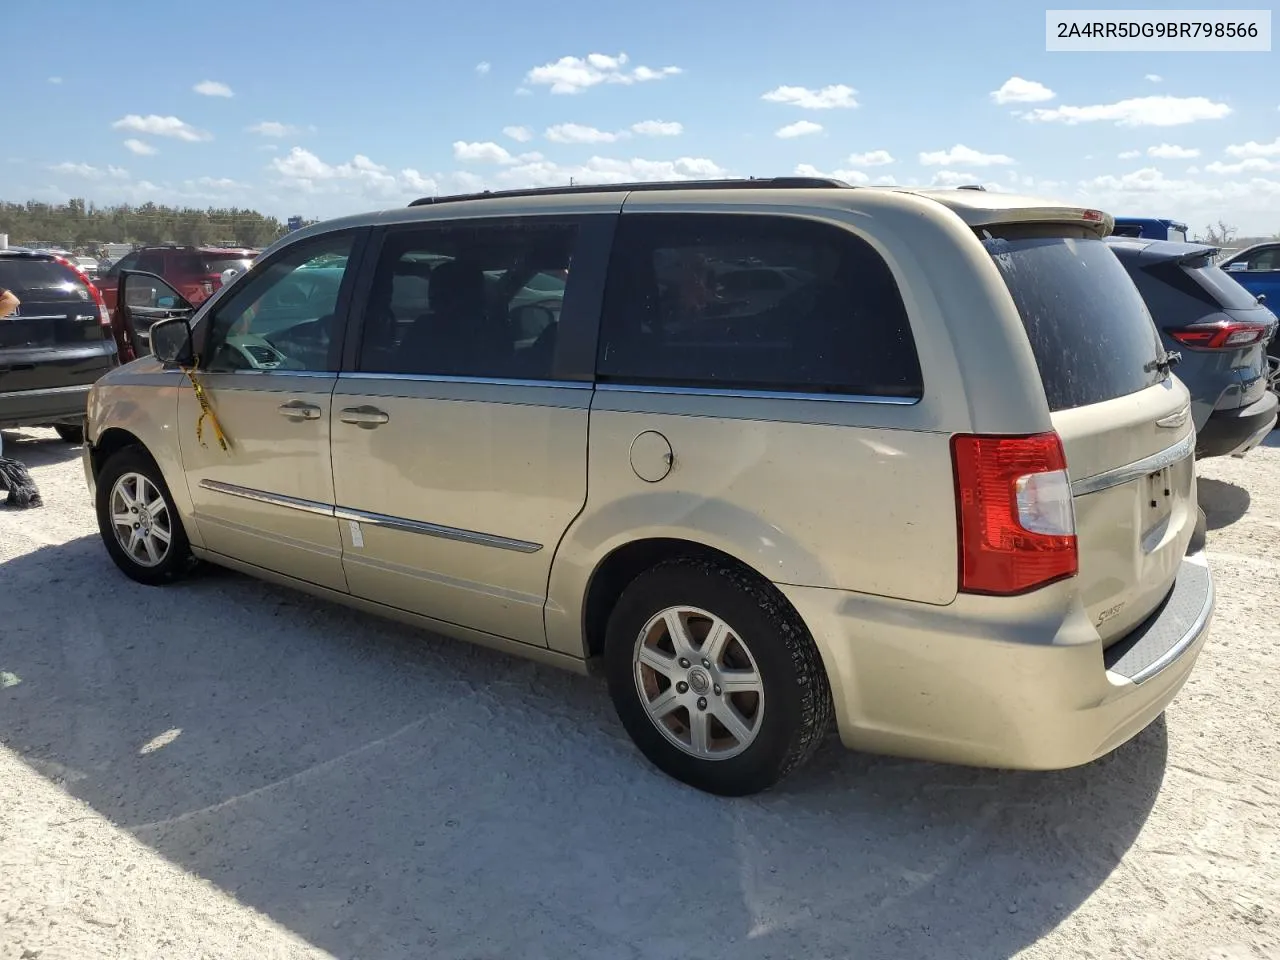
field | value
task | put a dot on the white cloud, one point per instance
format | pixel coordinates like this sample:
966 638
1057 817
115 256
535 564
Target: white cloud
1017 90
487 152
828 98
577 133
212 88
519 134
1169 151
1154 78
140 147
872 158
273 128
90 172
960 154
304 171
1248 165
523 92
55 80
1199 201
215 183
483 67
576 74
658 128
162 127
1130 154
855 177
1253 149
801 128
953 178
1136 112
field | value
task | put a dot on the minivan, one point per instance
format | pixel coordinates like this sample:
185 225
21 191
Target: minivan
763 452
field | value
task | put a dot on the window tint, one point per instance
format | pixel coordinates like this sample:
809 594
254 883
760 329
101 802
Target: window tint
283 318
1090 331
1265 260
31 279
753 302
468 300
1225 291
128 262
151 263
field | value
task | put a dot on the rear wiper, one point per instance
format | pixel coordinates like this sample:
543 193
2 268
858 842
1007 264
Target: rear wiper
1165 363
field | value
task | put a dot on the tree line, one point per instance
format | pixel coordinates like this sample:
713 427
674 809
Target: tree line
79 223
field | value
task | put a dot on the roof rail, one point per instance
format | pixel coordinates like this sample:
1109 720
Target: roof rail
763 183
972 186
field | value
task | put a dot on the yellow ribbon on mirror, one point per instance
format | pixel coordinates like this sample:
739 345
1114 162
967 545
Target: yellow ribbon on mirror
206 412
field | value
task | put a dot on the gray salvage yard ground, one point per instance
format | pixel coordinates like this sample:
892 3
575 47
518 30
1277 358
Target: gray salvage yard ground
229 770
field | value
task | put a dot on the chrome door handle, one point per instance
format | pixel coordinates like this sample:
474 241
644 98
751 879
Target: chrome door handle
363 416
297 410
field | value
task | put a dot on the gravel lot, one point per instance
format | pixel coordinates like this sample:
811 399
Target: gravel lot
228 770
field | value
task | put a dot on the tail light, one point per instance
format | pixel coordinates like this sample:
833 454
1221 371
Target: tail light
104 318
1016 520
1220 336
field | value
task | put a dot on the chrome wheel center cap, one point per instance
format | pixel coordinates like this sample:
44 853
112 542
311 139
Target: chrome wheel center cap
699 682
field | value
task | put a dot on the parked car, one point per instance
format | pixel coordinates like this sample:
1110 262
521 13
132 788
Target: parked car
1150 228
1257 269
1219 329
942 490
54 347
195 272
88 266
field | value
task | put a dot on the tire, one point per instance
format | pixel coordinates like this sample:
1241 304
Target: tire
777 728
128 473
70 432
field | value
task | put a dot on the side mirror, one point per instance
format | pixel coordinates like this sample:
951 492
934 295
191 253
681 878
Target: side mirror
166 303
1238 267
171 341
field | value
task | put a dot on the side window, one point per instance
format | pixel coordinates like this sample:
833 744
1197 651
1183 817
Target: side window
1265 260
468 300
753 302
128 262
151 263
283 318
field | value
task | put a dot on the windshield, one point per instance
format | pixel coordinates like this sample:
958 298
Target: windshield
1089 328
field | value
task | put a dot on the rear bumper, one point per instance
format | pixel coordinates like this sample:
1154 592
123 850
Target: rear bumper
34 408
1017 685
1237 431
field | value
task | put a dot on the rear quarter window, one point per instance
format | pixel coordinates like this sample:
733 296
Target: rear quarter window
753 302
1089 328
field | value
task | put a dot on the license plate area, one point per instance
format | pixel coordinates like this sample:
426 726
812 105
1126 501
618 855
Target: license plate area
1156 507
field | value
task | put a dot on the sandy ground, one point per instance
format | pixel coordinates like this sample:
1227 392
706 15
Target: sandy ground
224 769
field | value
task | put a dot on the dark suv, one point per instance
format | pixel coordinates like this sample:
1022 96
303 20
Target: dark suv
54 347
1220 330
195 272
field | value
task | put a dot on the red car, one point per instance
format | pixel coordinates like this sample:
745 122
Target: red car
195 272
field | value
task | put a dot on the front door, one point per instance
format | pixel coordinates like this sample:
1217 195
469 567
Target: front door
460 436
268 360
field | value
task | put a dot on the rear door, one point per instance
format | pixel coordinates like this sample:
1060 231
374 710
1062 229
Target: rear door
1124 420
57 338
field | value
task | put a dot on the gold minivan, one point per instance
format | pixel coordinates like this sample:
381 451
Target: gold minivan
765 451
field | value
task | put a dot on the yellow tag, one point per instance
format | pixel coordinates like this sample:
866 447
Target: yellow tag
206 410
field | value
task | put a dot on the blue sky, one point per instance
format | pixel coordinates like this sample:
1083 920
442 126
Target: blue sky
323 108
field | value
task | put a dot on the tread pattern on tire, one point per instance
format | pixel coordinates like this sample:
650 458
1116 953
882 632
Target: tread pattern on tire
816 705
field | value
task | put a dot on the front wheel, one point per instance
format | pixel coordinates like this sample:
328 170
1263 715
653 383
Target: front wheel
715 677
138 521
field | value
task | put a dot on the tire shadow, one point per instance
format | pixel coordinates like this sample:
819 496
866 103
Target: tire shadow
383 792
1223 503
38 447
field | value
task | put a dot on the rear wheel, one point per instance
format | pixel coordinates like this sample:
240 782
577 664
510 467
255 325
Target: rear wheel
715 677
70 432
138 521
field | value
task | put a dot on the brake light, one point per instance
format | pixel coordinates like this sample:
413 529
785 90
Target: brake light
1015 517
104 317
1220 336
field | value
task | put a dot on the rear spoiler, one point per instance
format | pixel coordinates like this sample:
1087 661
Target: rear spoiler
982 208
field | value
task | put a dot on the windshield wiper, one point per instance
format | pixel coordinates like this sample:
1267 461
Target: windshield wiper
1165 363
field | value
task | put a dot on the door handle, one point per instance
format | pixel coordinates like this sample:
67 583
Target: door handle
297 410
365 416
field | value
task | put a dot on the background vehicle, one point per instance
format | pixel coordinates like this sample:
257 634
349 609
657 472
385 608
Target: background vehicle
194 272
1150 228
1221 332
1257 269
55 347
780 450
88 266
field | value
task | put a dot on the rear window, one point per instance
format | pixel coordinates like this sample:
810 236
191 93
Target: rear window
1224 290
41 280
1089 328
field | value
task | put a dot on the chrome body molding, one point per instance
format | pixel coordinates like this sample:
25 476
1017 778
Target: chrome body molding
1167 457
